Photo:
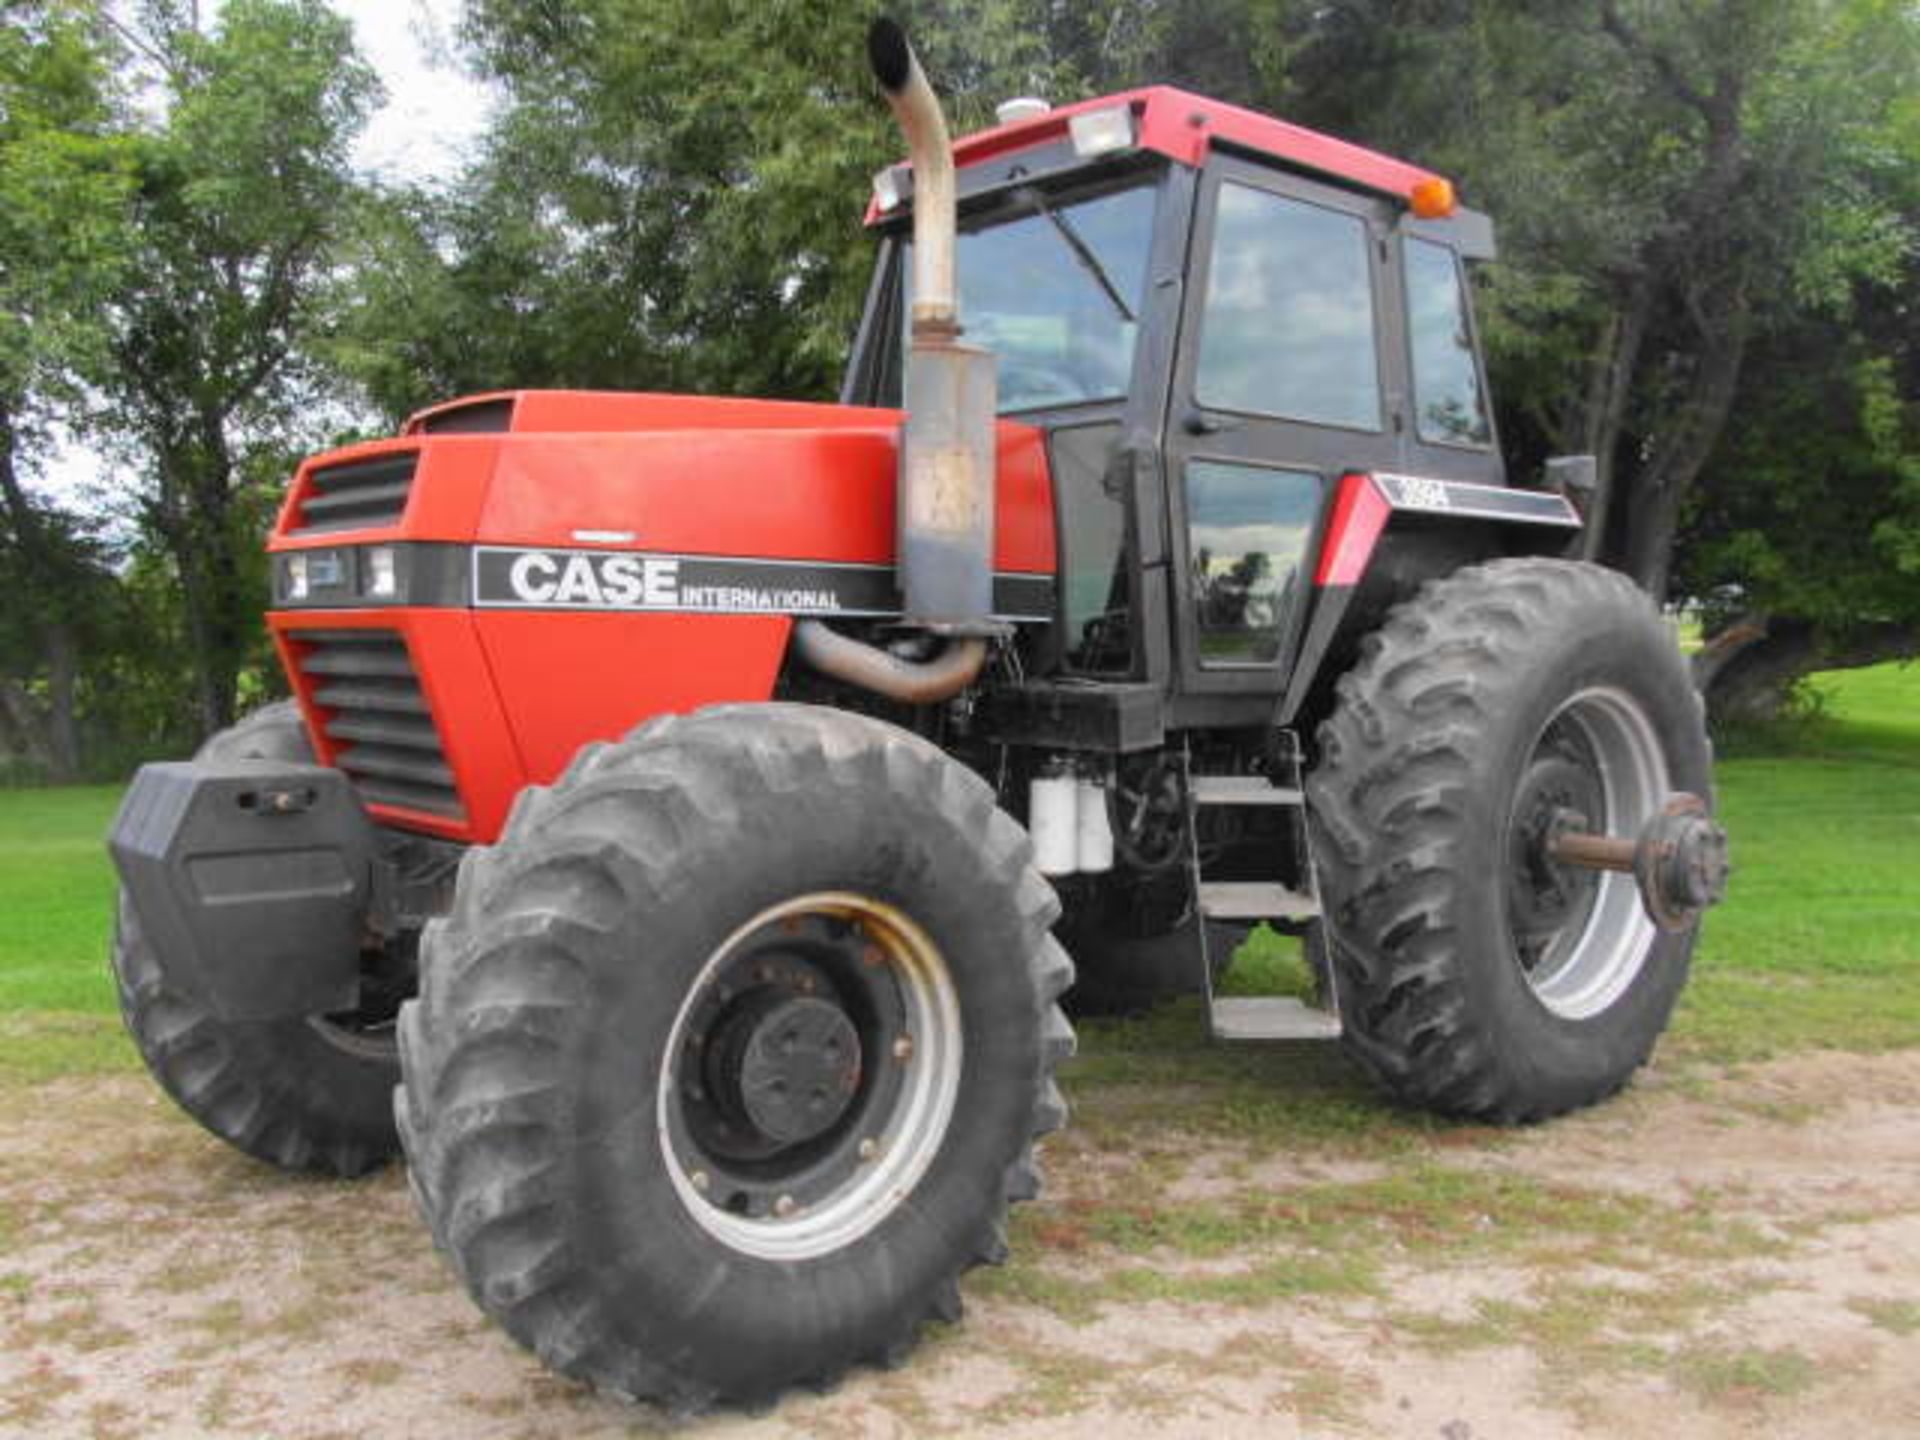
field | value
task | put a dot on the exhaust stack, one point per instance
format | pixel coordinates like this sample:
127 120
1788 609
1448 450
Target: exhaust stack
945 525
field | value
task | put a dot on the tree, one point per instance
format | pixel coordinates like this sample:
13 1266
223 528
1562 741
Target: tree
1671 181
1805 548
671 198
244 198
65 179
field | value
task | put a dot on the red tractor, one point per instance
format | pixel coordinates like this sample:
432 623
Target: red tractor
691 805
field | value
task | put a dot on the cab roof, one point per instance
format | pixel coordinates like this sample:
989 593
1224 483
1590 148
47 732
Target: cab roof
1183 126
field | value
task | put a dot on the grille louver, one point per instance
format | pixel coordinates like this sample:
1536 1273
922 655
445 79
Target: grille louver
351 497
377 720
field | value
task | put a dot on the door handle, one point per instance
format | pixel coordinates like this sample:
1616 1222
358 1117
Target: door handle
1198 422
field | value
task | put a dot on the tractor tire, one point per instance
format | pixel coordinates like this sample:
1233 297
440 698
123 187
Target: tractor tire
305 1095
596 1104
1127 964
1496 699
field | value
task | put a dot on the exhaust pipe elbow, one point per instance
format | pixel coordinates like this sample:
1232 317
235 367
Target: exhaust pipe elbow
930 152
871 668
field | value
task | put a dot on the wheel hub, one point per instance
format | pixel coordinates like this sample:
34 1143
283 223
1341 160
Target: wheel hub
791 1065
1545 898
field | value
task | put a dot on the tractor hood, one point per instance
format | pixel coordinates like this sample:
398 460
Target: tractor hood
459 609
660 475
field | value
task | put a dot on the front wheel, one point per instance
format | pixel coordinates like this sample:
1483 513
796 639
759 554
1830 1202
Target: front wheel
1477 974
731 1054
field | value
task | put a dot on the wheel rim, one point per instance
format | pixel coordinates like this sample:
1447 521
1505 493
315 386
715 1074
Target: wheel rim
810 1076
1581 937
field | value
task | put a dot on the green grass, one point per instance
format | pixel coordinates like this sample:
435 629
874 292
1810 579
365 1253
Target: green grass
1817 946
56 899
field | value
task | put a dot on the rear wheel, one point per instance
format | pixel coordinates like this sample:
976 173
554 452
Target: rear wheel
1477 975
303 1094
731 1054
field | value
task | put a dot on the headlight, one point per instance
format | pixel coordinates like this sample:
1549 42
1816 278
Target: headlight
296 577
382 577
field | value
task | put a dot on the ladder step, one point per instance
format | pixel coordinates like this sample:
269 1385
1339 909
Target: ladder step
1255 900
1241 790
1269 1017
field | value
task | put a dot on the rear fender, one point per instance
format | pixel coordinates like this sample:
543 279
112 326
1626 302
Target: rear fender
1389 534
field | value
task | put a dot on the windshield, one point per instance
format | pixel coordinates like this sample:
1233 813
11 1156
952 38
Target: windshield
1053 292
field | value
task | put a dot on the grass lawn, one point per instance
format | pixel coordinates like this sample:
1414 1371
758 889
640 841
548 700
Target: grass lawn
1817 946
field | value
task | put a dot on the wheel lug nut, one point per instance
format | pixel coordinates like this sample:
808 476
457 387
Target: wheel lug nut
903 1047
784 1206
700 1181
869 1148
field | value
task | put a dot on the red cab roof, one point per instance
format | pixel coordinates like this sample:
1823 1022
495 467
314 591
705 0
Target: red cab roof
1182 125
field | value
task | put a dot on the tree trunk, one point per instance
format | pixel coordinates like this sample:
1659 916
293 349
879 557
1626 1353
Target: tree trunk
50 731
1610 376
193 520
1686 445
1748 670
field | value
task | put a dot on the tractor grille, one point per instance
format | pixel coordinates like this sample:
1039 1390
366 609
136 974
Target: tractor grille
350 497
377 719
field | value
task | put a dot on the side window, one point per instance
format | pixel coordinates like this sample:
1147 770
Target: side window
1446 385
1248 529
1288 329
1093 543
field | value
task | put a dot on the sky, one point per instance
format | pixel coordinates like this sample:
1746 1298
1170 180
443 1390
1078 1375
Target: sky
433 110
433 115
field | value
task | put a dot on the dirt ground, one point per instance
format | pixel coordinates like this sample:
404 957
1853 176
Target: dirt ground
1709 1255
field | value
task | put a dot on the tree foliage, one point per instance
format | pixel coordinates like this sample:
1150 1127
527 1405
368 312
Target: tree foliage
64 181
244 198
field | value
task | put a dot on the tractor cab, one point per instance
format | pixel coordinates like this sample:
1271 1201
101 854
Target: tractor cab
1213 317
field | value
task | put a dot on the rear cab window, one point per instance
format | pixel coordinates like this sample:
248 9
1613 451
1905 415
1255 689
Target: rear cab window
1449 401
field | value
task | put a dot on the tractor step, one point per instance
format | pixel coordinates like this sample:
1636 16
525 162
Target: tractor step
1255 900
1241 790
1270 1017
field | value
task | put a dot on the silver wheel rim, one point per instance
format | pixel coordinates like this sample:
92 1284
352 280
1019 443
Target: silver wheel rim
1617 937
912 1132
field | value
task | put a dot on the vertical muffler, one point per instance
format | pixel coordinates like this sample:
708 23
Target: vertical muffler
947 452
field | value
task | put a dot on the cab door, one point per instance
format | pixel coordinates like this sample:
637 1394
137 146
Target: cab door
1288 374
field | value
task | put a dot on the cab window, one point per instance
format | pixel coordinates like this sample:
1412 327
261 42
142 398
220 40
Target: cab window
1248 528
1448 405
1287 329
1053 288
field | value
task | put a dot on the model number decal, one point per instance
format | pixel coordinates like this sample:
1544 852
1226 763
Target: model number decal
553 579
1469 501
1417 493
